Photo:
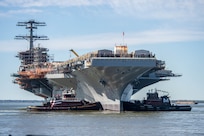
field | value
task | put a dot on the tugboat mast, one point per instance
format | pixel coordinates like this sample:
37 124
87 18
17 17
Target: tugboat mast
31 24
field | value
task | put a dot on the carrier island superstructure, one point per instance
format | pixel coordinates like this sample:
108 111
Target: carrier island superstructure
104 76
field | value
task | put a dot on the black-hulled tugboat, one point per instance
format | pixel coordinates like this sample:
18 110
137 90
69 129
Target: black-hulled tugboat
154 103
67 102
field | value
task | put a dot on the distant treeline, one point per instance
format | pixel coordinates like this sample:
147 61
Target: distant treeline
195 101
1 101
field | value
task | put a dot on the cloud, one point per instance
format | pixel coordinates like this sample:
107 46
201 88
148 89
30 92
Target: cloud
12 45
52 3
166 36
159 9
20 11
108 40
13 7
24 11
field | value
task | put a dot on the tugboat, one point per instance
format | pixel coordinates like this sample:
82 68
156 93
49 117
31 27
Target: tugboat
67 102
154 103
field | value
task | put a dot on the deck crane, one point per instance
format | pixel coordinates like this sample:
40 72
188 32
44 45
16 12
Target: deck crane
74 52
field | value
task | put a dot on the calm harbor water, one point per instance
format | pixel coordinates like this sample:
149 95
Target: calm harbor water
16 121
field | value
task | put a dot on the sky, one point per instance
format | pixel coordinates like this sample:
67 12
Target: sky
173 30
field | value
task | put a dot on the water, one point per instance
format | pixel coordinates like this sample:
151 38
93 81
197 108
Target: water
16 121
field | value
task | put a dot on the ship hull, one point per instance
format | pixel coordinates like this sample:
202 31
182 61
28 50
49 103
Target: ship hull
103 84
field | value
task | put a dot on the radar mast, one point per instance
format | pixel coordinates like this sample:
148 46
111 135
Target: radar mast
34 55
31 25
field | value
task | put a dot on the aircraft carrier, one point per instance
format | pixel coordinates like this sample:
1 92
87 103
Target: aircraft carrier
105 76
